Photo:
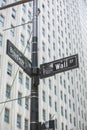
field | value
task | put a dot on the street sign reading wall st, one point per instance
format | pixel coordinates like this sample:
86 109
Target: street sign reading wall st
18 57
58 66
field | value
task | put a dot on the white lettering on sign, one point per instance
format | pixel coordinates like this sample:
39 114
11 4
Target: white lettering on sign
59 66
16 56
71 61
47 71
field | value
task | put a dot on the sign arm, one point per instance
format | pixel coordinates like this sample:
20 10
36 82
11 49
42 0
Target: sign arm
14 4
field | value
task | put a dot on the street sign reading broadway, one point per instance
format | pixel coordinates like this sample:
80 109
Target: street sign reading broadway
18 57
58 66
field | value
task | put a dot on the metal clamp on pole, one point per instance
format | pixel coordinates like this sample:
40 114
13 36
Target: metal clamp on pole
35 71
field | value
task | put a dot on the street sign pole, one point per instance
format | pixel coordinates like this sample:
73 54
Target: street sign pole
35 71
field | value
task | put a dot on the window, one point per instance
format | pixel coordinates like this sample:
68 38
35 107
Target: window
65 98
74 121
56 123
9 69
30 4
27 103
43 19
53 2
22 39
48 15
58 8
64 84
50 116
48 26
26 124
65 30
24 8
66 40
58 18
53 22
20 77
60 13
54 46
28 46
3 2
29 15
23 23
62 33
62 44
49 38
59 52
72 93
54 34
50 101
66 127
53 11
65 113
60 79
65 20
62 125
18 121
43 7
29 29
43 46
80 125
62 110
69 103
69 35
27 82
1 39
59 40
43 94
61 94
55 90
49 54
1 21
49 83
13 13
43 60
43 32
70 118
19 98
69 89
44 115
48 3
56 106
54 57
8 91
72 78
68 75
6 115
12 30
43 81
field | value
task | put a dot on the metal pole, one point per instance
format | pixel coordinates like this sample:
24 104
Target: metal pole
35 71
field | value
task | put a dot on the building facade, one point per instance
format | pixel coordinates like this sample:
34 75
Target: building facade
62 30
